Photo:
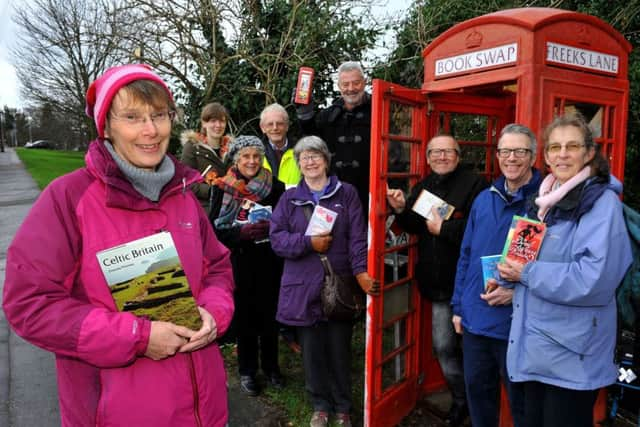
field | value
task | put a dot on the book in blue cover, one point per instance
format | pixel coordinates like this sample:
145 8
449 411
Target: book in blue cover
490 270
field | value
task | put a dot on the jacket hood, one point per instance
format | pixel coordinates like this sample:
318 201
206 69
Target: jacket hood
191 137
615 185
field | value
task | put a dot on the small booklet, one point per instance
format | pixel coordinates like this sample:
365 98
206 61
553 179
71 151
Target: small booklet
321 221
427 200
146 278
490 270
523 240
252 212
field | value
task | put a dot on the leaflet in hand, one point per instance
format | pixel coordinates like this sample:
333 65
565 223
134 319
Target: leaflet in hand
321 221
490 270
427 200
252 212
146 278
524 240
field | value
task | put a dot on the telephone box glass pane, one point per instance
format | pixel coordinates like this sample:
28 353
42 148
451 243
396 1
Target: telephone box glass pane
400 119
593 113
397 301
393 337
399 157
393 371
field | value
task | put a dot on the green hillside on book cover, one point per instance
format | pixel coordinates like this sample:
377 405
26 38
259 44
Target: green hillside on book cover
146 278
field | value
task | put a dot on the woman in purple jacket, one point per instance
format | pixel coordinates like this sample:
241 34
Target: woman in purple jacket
326 344
116 368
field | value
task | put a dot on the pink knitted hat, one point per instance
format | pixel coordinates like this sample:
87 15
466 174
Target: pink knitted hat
102 91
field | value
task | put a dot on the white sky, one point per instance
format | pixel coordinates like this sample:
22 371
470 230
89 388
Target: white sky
9 85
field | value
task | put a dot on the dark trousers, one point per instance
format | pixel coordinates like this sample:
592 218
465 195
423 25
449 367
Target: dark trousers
550 406
256 327
484 365
326 356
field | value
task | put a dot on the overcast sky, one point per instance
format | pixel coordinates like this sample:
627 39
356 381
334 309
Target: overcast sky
9 85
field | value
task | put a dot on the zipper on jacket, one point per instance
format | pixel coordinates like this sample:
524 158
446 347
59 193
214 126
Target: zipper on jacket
194 388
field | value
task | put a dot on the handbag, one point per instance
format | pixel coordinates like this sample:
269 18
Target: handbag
341 296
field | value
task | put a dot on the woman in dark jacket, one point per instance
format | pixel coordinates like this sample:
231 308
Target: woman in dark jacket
205 150
256 269
326 344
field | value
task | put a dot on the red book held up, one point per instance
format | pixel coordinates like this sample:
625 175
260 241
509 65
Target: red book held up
524 240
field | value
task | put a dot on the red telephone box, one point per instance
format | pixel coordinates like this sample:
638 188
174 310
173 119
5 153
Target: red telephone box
520 65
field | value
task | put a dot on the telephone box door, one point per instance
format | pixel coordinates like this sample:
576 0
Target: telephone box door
400 366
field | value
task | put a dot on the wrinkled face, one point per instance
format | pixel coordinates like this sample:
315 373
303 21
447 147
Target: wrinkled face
442 155
215 127
517 170
249 161
275 125
565 152
312 164
139 132
351 85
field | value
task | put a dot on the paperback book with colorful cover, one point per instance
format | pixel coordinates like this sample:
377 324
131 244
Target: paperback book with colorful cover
427 200
321 221
490 270
523 240
146 278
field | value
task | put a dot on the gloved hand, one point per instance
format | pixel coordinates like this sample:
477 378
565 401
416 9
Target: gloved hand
321 243
368 284
257 231
303 111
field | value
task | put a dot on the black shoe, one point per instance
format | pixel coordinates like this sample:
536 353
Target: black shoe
248 385
276 381
457 415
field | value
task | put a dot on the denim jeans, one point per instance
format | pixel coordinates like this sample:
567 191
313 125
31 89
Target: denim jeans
485 362
446 346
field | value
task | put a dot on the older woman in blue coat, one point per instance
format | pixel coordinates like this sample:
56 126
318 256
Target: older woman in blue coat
563 330
326 344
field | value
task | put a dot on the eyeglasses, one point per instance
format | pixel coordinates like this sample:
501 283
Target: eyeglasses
518 152
138 120
437 152
310 158
269 125
570 147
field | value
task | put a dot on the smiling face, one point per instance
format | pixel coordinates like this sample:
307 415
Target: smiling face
351 85
249 161
442 155
565 152
143 144
517 170
312 164
215 127
275 125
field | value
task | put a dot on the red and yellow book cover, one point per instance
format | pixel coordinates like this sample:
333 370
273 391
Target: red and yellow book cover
524 240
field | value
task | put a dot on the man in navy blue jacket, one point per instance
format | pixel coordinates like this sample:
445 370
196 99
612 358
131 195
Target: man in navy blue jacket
484 318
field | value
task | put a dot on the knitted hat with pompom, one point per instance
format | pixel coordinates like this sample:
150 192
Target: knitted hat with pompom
102 91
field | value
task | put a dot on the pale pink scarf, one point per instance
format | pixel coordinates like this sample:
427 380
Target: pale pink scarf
550 193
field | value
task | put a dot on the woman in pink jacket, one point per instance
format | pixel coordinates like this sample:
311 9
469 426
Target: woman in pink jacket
116 368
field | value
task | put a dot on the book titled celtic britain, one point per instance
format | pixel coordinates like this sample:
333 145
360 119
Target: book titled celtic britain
146 278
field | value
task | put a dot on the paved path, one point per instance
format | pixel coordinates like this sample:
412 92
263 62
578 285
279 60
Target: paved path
28 393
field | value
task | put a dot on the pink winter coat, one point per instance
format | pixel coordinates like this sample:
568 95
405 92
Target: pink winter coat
56 297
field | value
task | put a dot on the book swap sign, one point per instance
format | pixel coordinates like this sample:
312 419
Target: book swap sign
146 278
523 240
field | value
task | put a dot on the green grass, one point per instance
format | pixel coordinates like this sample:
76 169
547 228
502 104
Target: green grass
46 165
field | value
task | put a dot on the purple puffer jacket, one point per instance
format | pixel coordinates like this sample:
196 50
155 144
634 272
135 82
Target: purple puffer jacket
299 300
56 297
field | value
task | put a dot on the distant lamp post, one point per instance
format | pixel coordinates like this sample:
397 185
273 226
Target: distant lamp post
29 124
1 131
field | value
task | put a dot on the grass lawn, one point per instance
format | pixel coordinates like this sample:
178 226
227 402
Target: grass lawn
46 165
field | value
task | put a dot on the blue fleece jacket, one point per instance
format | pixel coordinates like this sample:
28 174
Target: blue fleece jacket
485 234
